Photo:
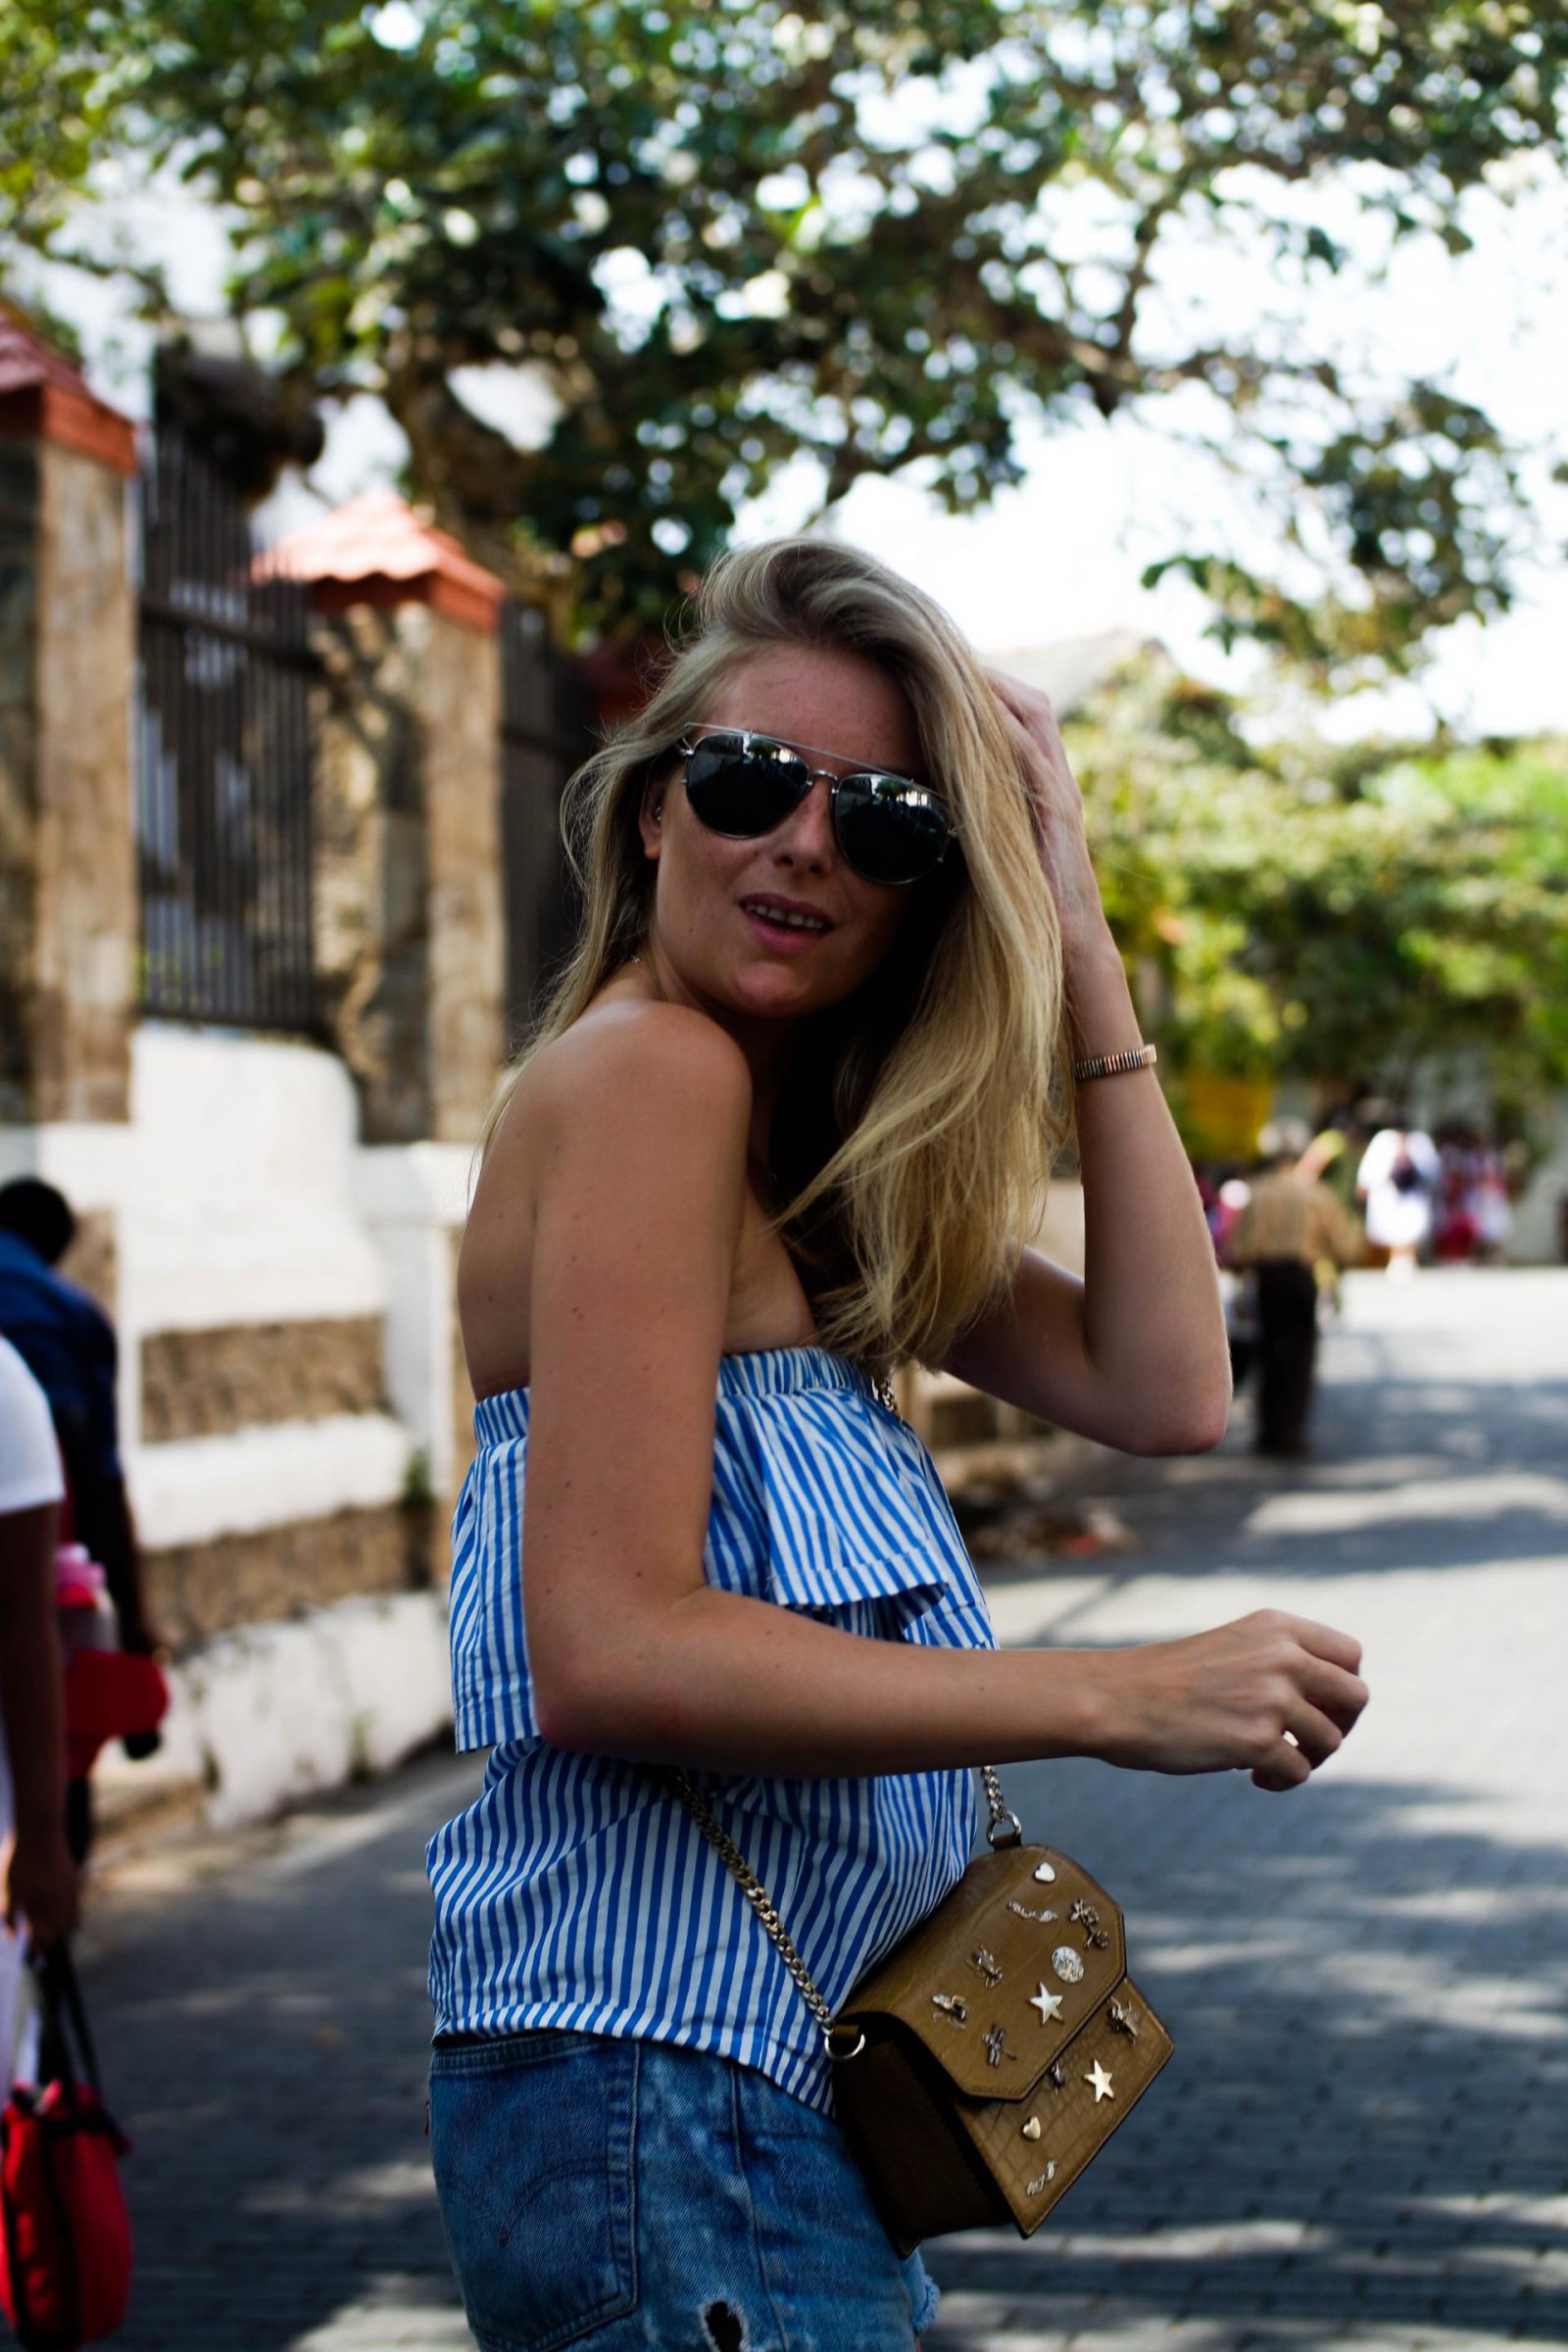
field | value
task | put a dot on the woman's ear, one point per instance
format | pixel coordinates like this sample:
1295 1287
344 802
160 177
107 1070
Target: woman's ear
650 816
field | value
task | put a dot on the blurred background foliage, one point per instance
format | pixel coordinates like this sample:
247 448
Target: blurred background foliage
1342 916
719 233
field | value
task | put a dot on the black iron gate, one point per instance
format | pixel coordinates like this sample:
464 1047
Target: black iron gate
544 733
223 767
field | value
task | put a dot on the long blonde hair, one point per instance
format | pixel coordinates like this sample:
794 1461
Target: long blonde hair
920 1120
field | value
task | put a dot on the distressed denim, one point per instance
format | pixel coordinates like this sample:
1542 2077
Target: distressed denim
637 2197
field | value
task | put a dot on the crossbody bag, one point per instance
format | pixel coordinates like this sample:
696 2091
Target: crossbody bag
982 2063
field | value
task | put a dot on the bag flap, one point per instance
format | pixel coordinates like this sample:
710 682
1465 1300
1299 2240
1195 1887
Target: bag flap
1004 1975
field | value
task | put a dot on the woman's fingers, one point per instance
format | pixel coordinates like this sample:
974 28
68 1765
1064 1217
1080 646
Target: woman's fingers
1340 1694
1326 1641
1286 1769
1316 1724
1315 1733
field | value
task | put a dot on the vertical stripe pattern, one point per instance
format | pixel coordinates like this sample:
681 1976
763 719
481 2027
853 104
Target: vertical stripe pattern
575 1892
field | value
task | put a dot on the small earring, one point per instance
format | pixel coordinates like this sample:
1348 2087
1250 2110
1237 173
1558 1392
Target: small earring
659 813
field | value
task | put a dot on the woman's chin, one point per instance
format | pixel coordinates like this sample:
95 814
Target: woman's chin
772 989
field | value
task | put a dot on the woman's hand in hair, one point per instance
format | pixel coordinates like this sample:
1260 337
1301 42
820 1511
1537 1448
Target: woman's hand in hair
1057 806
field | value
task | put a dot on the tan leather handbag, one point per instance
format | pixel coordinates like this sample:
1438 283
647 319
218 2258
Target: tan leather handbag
992 2053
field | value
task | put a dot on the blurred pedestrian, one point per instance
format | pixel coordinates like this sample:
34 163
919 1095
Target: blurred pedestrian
39 1875
68 1342
765 1147
1290 1230
1398 1181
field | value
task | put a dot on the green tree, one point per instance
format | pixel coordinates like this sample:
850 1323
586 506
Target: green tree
1344 916
728 231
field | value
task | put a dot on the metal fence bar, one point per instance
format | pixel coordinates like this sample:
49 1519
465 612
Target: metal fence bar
224 782
545 734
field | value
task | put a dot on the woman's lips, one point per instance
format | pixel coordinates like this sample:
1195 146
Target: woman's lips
784 938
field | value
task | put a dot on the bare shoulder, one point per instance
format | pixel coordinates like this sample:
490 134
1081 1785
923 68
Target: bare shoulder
640 1059
620 1158
627 1088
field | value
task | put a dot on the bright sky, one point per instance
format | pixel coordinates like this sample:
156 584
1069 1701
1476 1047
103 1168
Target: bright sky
1060 556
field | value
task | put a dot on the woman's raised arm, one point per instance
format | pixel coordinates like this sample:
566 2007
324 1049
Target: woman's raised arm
1135 1355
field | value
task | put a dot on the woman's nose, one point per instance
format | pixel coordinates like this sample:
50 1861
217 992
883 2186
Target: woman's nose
805 836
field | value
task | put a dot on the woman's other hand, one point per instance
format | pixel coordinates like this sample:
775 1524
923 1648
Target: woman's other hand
1057 806
1269 1694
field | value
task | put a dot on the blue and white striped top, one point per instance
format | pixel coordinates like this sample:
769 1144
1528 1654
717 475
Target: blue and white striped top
576 1892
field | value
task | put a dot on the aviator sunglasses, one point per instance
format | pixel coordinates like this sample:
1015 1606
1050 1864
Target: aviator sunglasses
741 785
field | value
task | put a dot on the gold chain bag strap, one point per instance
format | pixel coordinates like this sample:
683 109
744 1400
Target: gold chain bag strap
993 2051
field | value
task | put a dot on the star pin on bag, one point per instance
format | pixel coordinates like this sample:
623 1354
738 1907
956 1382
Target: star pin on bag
982 2063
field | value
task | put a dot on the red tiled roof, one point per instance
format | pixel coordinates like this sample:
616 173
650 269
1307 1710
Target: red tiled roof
26 358
375 550
43 395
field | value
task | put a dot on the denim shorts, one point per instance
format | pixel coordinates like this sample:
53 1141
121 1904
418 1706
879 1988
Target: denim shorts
623 2194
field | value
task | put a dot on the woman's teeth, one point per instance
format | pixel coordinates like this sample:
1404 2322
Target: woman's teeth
785 922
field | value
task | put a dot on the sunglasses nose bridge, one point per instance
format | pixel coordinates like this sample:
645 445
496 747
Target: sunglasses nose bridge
810 824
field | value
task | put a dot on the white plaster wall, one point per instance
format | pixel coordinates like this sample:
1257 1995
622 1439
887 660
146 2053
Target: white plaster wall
197 1487
260 1718
241 1194
239 1205
413 1198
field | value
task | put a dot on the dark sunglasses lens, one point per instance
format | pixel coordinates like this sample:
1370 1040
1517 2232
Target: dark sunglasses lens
742 792
888 833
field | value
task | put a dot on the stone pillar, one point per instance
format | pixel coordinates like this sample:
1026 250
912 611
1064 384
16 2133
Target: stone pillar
409 908
68 878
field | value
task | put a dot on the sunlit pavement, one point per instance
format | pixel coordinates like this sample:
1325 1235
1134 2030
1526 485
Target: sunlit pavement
1363 2137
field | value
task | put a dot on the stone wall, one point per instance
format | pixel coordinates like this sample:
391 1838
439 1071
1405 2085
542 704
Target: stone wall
67 907
462 715
370 888
408 905
195 1590
19 773
92 1262
202 1384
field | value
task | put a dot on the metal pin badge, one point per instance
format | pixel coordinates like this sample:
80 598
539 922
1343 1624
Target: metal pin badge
1049 2004
1045 1873
1067 1964
1041 2179
995 2041
984 1965
950 2006
1122 2020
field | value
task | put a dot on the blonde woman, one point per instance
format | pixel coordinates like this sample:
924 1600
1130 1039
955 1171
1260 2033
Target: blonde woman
794 1097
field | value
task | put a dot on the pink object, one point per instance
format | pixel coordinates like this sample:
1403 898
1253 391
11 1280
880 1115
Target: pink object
81 1596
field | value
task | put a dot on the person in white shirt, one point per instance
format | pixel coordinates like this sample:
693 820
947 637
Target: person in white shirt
37 1871
1398 1181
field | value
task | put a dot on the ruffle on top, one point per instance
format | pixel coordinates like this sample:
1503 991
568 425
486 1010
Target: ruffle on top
822 1500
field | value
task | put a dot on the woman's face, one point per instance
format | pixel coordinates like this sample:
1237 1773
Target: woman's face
709 925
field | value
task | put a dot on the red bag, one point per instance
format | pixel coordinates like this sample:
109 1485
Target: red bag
64 2248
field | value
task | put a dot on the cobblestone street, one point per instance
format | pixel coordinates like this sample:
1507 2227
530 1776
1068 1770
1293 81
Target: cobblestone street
1363 2139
